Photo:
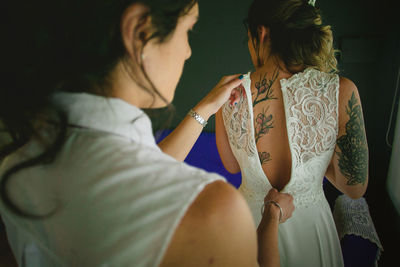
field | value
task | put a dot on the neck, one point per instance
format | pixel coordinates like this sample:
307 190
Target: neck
275 62
127 88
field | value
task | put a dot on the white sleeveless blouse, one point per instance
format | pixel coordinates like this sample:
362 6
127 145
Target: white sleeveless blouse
119 198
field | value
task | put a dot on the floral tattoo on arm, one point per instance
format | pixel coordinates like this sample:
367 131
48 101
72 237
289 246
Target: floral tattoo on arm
353 154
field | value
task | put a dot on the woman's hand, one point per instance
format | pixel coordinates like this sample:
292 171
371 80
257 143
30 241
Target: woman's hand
179 143
222 92
284 200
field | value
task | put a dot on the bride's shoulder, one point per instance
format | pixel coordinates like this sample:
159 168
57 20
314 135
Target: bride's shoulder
347 88
346 83
349 99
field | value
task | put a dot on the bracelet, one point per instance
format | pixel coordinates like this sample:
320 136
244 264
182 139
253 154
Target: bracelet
276 204
197 117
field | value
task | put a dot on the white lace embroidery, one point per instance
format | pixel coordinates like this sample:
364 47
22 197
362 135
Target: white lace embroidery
311 110
239 124
352 217
311 107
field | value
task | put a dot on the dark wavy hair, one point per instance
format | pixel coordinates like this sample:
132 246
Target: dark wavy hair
69 45
297 33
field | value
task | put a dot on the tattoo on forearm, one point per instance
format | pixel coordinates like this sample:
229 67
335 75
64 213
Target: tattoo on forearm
264 88
353 154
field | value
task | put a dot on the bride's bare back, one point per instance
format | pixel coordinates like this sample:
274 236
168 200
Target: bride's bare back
270 131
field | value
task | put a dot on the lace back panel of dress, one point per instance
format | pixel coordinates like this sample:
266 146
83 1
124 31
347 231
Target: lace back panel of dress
312 113
239 122
311 106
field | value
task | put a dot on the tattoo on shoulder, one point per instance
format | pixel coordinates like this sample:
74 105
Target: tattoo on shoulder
264 88
353 154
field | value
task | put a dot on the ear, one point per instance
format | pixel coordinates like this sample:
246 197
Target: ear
135 28
263 34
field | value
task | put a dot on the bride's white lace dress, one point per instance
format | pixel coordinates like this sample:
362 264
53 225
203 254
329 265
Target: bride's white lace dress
309 238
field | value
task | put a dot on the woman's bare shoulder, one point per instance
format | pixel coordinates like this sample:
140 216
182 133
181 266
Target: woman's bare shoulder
217 229
346 86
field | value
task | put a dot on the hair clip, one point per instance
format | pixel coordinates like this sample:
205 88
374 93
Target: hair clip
312 2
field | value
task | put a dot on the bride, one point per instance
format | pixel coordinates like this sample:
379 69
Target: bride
296 121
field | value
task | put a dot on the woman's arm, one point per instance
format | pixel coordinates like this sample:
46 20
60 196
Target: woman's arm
267 231
179 143
181 140
348 170
267 235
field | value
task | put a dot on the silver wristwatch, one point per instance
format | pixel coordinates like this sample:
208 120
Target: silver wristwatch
197 117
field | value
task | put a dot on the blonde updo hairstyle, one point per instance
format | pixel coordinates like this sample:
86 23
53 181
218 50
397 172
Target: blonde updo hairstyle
297 33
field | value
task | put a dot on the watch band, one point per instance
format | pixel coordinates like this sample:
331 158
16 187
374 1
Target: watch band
197 117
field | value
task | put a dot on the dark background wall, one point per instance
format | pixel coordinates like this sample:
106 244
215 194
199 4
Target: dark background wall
367 33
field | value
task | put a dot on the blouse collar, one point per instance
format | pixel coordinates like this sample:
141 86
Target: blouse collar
110 115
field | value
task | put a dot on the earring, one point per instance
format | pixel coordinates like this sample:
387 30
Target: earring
142 56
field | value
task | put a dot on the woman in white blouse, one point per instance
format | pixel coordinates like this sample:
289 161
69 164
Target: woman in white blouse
83 182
